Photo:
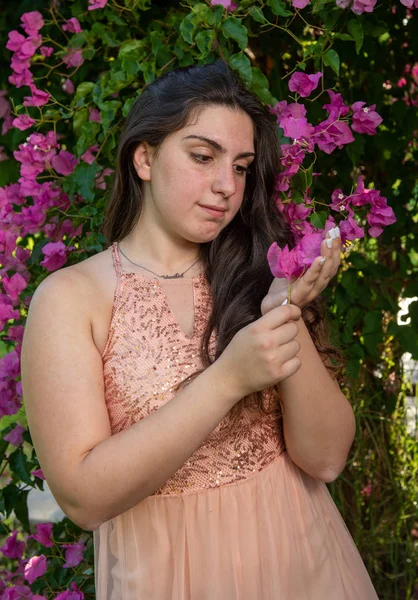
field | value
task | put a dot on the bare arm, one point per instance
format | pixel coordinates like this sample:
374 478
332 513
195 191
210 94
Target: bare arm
93 475
318 421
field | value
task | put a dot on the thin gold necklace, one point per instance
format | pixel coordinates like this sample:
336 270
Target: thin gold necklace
176 276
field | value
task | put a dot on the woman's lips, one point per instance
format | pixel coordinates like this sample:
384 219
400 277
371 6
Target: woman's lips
214 212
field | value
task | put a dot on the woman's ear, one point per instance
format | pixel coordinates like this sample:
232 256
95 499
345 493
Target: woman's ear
142 161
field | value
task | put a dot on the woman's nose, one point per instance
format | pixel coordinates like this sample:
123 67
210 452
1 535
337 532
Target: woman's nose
225 181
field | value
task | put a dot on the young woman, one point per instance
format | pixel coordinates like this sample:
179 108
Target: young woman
178 409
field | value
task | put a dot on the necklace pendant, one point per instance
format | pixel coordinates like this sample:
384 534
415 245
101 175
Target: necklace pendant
176 276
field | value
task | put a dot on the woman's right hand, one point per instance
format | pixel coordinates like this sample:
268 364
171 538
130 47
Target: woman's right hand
262 353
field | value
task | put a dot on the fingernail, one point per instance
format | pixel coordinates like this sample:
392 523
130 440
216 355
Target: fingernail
337 230
323 259
332 232
329 242
284 302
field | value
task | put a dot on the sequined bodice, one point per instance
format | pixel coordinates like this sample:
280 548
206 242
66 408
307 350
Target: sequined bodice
147 354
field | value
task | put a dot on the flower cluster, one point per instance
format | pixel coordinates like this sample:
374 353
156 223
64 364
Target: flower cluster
357 6
13 584
331 133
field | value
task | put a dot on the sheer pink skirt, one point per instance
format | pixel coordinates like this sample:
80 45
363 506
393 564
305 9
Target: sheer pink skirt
274 536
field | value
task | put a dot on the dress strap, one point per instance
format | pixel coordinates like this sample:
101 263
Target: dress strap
116 259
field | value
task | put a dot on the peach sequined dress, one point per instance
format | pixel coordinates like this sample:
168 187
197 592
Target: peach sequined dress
239 520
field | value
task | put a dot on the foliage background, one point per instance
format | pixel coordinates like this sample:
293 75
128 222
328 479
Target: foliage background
127 44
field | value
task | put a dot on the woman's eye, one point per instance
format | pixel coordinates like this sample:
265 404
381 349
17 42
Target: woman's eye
201 158
241 170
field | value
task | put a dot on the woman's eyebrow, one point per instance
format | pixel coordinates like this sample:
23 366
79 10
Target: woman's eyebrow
217 146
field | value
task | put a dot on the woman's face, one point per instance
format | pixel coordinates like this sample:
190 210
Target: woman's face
202 165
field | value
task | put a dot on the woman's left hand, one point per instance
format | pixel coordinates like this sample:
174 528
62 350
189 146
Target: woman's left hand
306 288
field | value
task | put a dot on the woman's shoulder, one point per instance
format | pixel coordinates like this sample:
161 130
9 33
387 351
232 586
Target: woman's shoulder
92 283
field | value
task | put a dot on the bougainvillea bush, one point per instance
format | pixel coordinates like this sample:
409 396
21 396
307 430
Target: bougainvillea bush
341 81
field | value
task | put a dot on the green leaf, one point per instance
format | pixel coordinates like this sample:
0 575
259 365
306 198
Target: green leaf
242 64
372 322
131 48
80 117
205 39
108 111
355 27
81 181
318 219
19 466
278 8
21 509
344 36
83 89
233 28
260 85
186 28
88 135
331 59
156 42
257 14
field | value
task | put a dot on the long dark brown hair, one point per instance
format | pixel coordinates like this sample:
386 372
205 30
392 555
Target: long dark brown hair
235 262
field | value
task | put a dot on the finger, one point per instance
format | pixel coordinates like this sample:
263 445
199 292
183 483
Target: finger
285 333
290 367
314 271
288 351
280 315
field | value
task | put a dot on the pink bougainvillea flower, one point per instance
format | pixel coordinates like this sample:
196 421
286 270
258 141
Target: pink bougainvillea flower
380 215
19 79
361 6
12 547
300 3
73 594
46 50
43 534
88 155
336 108
15 435
296 128
94 4
231 6
331 134
64 163
304 84
95 115
68 86
291 263
55 256
18 592
29 47
15 41
35 567
74 58
365 118
38 98
23 122
308 248
350 230
72 25
74 554
282 262
410 3
38 473
32 22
